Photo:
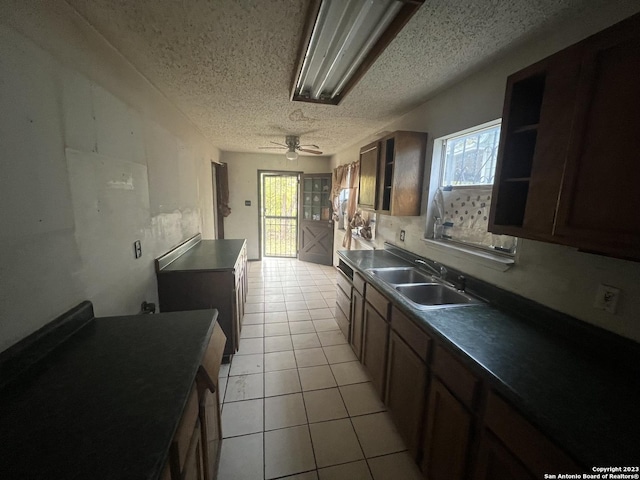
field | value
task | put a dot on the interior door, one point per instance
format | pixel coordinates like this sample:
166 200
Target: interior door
316 226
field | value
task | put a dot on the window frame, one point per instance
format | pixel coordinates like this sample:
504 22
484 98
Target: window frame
438 162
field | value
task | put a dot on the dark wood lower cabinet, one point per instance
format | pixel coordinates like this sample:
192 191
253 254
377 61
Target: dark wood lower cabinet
357 311
374 347
193 466
458 428
523 444
447 435
405 393
208 275
496 462
211 432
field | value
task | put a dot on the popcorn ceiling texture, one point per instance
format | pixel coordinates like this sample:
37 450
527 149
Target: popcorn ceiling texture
228 64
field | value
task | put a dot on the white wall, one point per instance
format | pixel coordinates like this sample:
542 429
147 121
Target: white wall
93 158
243 185
559 277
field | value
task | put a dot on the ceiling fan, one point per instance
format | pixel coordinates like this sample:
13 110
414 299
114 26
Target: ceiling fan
292 144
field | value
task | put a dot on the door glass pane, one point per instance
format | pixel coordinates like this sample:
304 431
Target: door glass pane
280 215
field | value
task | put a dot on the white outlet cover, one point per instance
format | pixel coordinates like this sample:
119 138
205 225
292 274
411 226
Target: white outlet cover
607 298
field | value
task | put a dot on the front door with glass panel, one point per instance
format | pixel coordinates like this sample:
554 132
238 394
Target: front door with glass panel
279 219
316 226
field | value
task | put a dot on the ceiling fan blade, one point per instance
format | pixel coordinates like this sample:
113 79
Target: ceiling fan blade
311 145
315 152
268 148
281 144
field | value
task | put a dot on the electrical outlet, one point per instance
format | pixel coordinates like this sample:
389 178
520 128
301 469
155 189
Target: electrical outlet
607 298
402 235
137 249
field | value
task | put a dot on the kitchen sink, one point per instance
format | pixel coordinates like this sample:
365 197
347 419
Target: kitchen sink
435 295
400 275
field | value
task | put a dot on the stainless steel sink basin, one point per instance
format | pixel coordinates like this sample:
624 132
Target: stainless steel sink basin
400 275
435 295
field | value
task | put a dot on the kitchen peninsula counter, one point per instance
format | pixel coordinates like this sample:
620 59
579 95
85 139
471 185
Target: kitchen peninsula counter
106 401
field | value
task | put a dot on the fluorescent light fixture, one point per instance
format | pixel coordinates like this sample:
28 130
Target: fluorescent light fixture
342 40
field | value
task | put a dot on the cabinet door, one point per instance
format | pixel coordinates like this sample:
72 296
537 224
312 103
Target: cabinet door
193 467
357 311
369 156
405 395
495 462
599 197
537 116
534 451
447 436
374 347
404 169
211 432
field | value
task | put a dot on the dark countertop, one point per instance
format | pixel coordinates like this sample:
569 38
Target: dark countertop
107 402
589 407
208 255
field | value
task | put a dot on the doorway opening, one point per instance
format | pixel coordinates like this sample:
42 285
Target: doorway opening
279 214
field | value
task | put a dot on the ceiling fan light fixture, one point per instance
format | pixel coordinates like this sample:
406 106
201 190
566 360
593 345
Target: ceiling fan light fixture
291 155
342 40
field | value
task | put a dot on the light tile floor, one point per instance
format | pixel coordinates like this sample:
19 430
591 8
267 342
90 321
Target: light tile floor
296 402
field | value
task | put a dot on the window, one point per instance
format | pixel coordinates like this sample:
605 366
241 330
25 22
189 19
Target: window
462 201
343 200
470 159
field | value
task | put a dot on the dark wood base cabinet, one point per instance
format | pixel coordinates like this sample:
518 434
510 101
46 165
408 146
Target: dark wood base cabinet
512 448
452 422
446 436
207 274
405 390
195 449
496 462
357 319
375 336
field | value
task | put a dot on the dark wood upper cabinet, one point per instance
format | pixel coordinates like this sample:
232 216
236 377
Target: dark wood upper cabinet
567 164
367 192
394 186
599 195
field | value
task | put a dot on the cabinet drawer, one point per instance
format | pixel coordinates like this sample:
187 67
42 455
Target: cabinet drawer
344 283
358 282
344 302
377 301
462 383
419 341
530 446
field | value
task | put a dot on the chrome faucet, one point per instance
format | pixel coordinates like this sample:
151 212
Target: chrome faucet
440 272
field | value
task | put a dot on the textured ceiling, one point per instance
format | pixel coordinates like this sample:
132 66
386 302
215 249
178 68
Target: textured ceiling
228 64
